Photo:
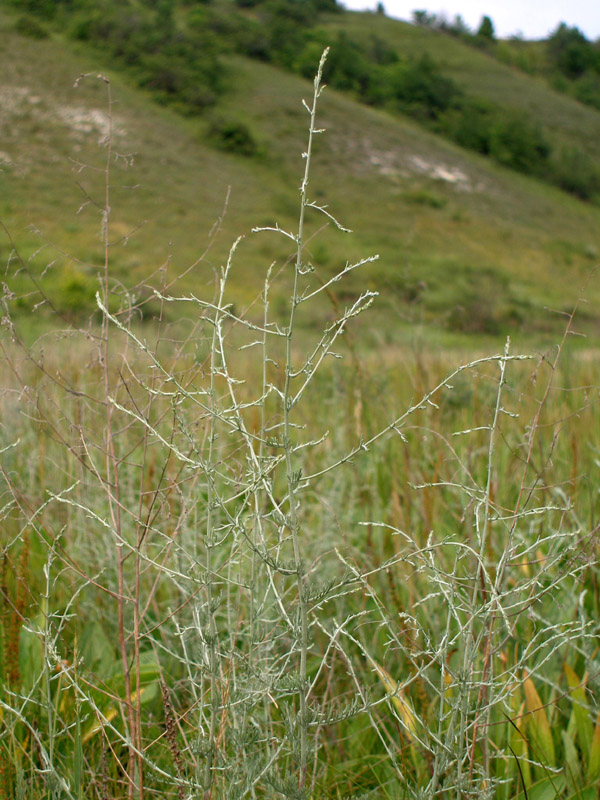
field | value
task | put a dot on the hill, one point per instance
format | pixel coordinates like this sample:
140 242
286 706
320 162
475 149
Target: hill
479 73
465 244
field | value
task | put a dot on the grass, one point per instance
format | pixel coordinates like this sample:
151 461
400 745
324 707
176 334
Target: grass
237 565
537 241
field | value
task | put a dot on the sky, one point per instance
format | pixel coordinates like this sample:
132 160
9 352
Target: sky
535 19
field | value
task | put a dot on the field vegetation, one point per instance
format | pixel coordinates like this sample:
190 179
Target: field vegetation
252 545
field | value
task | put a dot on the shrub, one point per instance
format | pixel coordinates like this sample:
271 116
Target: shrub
576 172
586 88
233 136
424 197
571 51
73 293
29 26
469 124
347 69
518 143
420 88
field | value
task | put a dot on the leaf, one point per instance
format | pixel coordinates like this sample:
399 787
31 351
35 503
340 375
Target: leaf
31 652
586 793
572 764
585 730
538 723
96 650
149 673
593 770
397 697
547 789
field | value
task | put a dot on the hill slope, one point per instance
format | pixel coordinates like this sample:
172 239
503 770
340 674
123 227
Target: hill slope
464 244
481 75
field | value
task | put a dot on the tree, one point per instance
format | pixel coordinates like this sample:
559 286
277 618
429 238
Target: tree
380 9
423 18
572 53
459 26
486 29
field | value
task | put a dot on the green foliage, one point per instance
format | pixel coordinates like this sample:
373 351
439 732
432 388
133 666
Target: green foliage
569 61
424 18
424 197
480 301
233 136
571 52
486 29
439 22
586 88
347 67
509 137
470 125
518 143
29 26
180 68
175 50
575 172
420 88
74 293
44 9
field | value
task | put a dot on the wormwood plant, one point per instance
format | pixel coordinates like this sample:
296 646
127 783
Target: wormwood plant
180 617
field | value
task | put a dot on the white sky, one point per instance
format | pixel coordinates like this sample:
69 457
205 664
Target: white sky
535 19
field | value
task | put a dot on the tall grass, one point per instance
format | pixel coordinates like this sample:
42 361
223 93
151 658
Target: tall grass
234 566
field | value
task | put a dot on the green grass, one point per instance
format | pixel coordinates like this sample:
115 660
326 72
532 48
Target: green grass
539 242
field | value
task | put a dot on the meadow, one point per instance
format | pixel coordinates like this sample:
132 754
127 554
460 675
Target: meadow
253 548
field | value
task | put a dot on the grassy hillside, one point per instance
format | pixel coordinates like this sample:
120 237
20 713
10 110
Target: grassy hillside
464 244
481 74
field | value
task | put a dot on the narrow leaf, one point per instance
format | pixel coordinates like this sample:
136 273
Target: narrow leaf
397 697
593 770
585 730
539 725
571 760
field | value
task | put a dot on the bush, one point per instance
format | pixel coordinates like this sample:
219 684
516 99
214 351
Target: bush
233 136
420 88
347 68
571 51
518 143
29 26
74 293
44 9
576 172
586 89
469 125
486 29
423 197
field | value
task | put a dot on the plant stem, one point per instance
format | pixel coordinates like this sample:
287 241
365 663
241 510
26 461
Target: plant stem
293 521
